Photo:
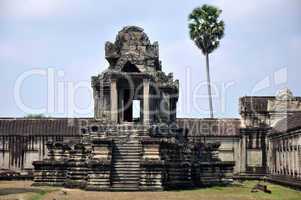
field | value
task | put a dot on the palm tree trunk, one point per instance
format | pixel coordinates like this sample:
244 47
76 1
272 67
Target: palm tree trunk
209 86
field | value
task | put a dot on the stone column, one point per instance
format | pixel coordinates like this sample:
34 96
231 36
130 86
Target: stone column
277 158
243 153
298 142
114 101
282 158
293 157
145 101
121 104
237 155
288 160
296 159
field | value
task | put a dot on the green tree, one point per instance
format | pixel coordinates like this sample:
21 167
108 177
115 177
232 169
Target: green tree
35 116
206 29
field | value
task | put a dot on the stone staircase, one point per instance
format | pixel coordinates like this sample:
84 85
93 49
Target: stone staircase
125 174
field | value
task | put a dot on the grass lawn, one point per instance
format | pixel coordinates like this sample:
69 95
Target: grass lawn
12 190
242 192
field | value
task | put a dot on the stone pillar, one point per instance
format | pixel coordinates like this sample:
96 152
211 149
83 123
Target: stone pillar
121 103
277 158
299 160
243 153
282 158
292 148
237 155
114 101
145 101
288 154
296 159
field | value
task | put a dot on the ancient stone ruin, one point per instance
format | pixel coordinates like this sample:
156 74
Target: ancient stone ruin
133 142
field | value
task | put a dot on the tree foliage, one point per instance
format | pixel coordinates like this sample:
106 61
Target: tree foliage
35 116
205 28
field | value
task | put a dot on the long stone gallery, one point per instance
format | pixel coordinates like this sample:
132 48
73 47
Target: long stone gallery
151 149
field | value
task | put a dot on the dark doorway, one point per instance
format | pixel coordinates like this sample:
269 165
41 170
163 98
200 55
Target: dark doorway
128 106
129 67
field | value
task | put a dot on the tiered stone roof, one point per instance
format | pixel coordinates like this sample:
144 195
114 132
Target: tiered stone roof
290 123
71 126
212 127
40 127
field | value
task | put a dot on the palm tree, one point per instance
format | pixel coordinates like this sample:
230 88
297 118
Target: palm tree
206 30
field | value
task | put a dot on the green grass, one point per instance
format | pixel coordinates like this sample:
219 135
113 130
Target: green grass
243 192
39 195
23 190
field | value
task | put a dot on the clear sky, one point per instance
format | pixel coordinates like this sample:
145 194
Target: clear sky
259 55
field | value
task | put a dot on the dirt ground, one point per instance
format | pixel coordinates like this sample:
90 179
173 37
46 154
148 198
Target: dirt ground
22 190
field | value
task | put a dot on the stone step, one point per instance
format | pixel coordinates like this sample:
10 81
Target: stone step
126 159
127 144
131 181
129 167
124 175
126 156
125 148
130 140
130 163
121 168
123 142
116 188
133 154
125 171
126 153
122 178
124 165
125 185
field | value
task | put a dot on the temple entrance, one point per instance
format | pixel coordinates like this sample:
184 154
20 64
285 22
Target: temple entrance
129 67
127 106
136 110
131 107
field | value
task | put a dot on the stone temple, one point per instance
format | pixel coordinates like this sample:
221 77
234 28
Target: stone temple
136 142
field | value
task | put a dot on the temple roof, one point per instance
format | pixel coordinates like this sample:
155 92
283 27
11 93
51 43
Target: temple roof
290 123
133 46
254 103
258 104
71 126
40 127
218 127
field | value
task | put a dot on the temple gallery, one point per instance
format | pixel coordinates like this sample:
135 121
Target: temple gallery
152 149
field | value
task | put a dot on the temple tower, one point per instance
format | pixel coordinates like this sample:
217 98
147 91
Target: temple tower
133 142
134 88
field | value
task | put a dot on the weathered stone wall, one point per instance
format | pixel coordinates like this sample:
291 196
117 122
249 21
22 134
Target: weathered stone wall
23 140
18 152
226 131
284 155
229 150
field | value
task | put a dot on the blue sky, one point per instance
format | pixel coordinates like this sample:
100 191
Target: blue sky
259 54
